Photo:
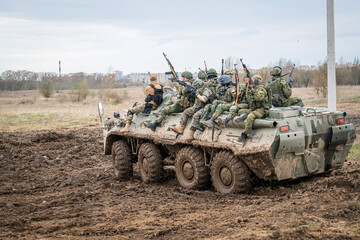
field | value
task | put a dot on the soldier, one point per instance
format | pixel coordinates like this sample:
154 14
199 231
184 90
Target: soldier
233 109
187 77
203 95
281 91
154 97
225 94
259 102
211 76
186 100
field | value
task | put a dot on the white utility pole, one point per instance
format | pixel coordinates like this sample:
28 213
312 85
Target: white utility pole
331 56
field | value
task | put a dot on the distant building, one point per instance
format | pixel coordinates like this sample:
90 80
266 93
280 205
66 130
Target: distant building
118 76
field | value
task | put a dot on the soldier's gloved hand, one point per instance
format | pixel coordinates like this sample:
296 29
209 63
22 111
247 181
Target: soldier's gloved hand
187 89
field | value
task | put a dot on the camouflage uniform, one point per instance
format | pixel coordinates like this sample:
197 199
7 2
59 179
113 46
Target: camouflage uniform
225 97
259 103
198 105
232 108
185 101
281 91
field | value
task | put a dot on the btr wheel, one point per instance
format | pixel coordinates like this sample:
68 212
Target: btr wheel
150 163
229 174
121 159
190 168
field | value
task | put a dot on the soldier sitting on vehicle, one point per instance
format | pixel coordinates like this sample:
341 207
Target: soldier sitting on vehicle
259 102
225 94
281 90
241 103
154 97
211 78
203 95
178 104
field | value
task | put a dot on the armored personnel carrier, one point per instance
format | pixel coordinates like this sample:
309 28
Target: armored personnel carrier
292 142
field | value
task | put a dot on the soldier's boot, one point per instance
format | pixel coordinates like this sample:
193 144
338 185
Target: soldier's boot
242 138
179 129
222 121
197 126
127 127
157 113
152 125
301 104
209 123
190 137
240 118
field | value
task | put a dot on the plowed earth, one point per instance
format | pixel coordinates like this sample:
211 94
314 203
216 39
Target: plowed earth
60 185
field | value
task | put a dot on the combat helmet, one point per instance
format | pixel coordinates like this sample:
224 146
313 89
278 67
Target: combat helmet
211 73
188 75
198 83
276 71
201 75
224 80
229 73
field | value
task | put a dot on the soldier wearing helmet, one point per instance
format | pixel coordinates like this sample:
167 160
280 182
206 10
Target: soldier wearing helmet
225 95
259 102
211 78
203 95
281 91
187 77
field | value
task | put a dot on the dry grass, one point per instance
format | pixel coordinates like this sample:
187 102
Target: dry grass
29 110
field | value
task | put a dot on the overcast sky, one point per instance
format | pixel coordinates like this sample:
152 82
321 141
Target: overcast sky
89 36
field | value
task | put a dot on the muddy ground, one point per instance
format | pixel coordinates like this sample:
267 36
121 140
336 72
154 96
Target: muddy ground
60 185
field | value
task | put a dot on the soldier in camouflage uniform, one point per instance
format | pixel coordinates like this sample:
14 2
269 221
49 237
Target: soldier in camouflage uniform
259 102
203 95
281 91
234 108
211 78
225 94
154 96
185 100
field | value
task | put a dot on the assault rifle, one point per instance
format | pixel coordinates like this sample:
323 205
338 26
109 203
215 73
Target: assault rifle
247 72
172 70
290 80
205 72
237 80
222 67
188 87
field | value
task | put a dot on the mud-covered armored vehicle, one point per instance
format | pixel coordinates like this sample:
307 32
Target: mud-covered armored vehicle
292 142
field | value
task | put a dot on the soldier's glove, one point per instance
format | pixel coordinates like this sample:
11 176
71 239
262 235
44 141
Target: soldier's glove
187 89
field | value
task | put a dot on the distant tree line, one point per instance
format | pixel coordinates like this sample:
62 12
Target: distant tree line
346 74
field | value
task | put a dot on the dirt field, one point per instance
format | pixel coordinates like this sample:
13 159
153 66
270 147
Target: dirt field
57 184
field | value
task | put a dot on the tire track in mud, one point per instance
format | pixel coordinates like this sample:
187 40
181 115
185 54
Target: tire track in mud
60 185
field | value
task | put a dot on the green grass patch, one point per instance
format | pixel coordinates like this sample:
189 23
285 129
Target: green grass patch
318 102
33 115
86 103
355 152
115 102
355 99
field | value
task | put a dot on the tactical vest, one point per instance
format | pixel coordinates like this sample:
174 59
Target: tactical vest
253 104
158 94
276 90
